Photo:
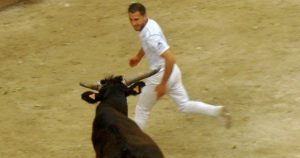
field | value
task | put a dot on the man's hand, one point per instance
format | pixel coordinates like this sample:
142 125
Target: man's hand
137 58
161 90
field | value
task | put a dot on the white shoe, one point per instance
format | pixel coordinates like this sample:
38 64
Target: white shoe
225 117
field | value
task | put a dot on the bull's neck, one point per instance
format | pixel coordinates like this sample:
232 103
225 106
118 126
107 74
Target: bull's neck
118 102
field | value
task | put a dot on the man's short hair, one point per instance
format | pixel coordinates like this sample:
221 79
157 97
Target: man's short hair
137 7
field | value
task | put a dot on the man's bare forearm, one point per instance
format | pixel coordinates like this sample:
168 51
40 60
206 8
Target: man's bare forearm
169 64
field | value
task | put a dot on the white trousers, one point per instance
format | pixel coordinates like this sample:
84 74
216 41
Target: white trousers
178 94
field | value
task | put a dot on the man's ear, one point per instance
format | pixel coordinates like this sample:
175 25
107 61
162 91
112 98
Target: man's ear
90 97
136 88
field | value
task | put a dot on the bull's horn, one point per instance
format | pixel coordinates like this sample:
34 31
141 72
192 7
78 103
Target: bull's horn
90 86
146 75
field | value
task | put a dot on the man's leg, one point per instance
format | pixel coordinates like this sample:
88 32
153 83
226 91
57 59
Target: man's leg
144 105
179 95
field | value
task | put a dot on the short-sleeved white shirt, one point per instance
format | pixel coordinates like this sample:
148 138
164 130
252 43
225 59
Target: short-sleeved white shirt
153 43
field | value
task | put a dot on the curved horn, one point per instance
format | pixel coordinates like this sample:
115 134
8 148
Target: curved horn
143 76
90 86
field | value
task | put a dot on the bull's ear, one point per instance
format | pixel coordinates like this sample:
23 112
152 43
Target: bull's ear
136 88
90 97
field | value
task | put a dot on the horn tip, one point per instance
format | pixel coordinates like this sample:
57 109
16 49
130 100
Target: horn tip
90 86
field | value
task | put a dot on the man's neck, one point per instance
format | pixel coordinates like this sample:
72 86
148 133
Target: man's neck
144 25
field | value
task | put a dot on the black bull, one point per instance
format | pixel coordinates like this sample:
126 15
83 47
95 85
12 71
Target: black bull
114 134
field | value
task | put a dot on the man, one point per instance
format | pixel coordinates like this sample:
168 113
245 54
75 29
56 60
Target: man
168 81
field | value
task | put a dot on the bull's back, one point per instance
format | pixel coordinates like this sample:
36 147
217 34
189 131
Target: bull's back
131 140
140 144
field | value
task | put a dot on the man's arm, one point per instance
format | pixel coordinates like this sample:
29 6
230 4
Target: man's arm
169 64
141 53
137 58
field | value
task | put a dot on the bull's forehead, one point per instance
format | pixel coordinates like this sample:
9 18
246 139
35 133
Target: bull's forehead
112 80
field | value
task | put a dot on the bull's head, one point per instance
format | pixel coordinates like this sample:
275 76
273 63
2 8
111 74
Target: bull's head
112 86
106 86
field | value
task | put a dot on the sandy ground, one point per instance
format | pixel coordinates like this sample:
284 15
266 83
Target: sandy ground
242 54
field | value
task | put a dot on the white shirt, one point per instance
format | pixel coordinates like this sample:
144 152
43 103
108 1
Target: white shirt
153 43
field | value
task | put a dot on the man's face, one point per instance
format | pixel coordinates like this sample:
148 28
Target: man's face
137 20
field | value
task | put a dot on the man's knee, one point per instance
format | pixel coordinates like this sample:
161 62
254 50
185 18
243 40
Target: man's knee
182 107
